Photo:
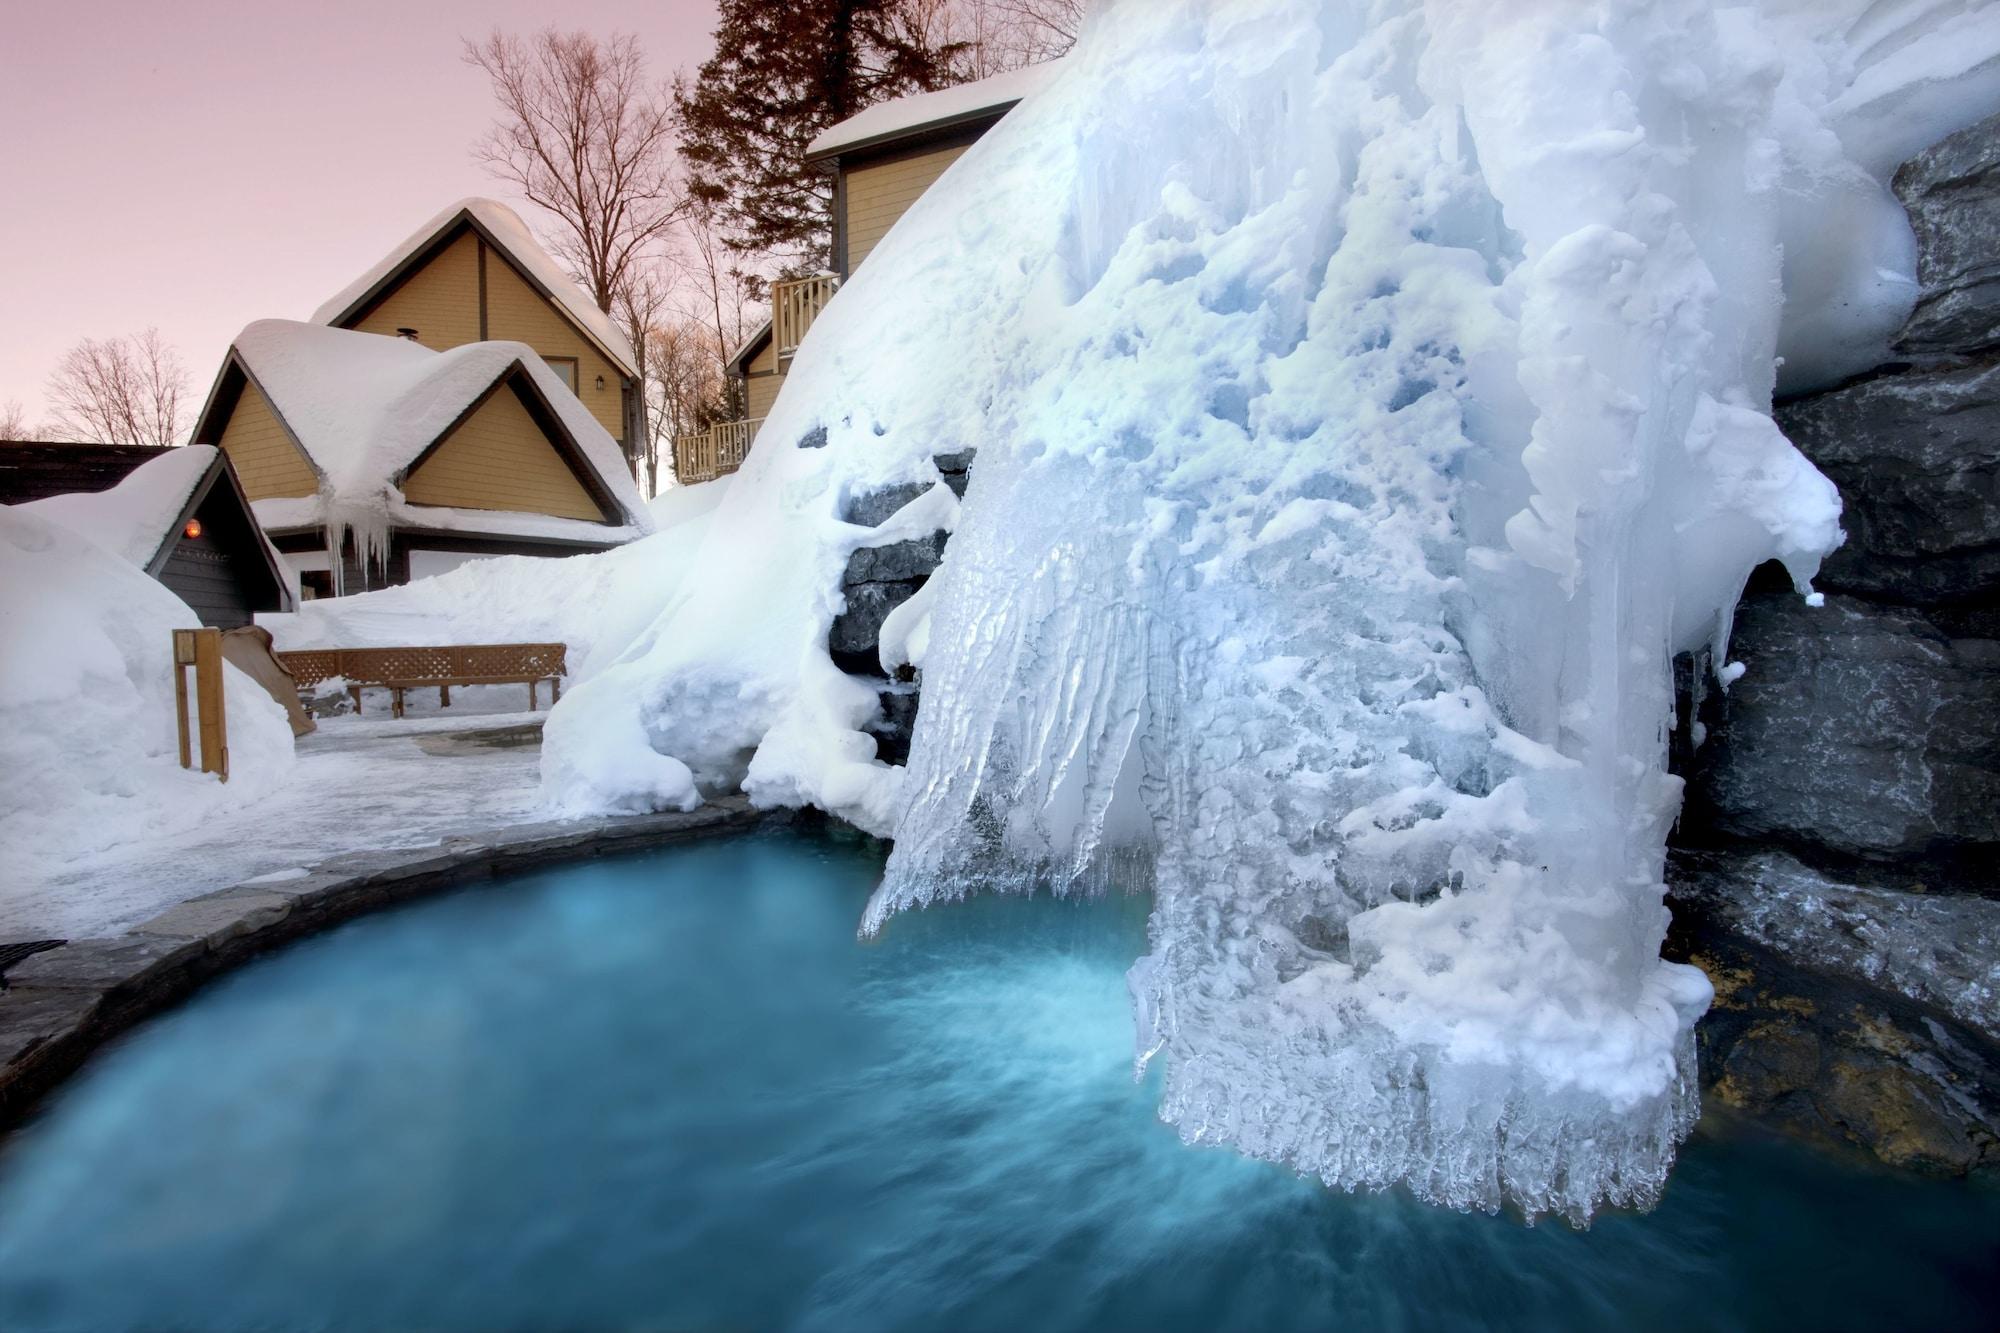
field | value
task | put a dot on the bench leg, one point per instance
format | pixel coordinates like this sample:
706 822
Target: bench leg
396 700
354 693
555 690
533 705
444 696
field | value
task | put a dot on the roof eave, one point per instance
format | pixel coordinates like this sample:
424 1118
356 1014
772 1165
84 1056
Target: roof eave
983 117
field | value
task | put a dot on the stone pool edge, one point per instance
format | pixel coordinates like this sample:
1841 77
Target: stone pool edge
60 1005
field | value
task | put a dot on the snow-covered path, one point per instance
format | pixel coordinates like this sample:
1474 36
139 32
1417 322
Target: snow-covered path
360 783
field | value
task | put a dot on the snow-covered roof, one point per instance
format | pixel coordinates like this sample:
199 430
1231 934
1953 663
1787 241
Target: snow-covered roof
133 518
888 121
506 232
364 407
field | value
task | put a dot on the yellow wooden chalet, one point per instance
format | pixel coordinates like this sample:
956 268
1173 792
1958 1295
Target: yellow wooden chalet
475 273
371 459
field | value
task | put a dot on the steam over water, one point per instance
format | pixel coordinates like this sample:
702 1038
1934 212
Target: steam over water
674 1092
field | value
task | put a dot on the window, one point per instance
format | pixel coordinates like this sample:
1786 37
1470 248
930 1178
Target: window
565 369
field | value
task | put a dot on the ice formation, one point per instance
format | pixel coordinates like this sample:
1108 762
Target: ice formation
1370 399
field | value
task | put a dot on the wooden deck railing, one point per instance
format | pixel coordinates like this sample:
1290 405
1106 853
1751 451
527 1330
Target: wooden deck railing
715 452
794 307
399 669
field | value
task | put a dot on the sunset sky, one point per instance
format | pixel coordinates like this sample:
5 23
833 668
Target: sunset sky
196 165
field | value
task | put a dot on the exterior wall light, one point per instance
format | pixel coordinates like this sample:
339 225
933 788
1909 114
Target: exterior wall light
193 528
600 384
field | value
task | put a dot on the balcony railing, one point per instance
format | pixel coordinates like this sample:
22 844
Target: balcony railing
715 452
794 307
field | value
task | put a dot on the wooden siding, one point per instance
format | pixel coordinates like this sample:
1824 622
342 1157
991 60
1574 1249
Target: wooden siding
879 193
267 462
762 381
205 576
440 300
516 312
498 458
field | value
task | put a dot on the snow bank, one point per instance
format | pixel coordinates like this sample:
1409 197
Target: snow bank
597 604
1370 399
87 737
132 518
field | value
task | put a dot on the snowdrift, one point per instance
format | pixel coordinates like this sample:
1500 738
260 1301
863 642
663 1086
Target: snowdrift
596 603
1370 400
87 735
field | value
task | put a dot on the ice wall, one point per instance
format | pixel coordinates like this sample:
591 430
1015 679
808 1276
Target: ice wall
1370 398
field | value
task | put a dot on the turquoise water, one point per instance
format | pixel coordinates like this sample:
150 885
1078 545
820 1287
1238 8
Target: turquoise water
673 1092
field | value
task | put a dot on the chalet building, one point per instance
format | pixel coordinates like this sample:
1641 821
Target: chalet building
372 460
179 514
882 161
475 273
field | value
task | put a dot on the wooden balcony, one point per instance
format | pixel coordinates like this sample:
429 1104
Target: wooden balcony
794 307
715 452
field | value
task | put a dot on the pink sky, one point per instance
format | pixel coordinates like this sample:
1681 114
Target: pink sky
196 165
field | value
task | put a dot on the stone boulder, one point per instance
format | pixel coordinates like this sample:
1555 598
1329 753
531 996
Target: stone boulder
1845 1014
1952 194
1916 456
1860 730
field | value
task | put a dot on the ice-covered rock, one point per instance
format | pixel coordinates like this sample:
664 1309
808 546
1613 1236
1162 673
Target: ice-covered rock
1916 454
1952 192
1860 729
1370 400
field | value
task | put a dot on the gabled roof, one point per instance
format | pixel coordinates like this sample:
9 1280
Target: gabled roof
502 229
738 362
365 409
142 515
930 114
35 469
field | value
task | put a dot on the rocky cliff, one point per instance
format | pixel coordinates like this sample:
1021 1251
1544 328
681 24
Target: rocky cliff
1835 866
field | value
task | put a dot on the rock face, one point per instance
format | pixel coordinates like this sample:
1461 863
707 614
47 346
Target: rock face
1916 455
1952 193
1861 730
1835 867
879 579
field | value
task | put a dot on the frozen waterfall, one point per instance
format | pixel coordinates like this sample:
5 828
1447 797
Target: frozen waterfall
1370 398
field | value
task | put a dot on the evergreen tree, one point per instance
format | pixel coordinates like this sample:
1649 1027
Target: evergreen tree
781 73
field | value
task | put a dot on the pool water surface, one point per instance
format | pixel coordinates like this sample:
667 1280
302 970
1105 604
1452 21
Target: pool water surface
674 1092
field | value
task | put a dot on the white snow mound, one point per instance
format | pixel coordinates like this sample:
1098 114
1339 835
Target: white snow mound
88 743
1370 399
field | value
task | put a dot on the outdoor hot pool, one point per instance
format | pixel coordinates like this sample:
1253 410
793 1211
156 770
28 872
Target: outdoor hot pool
673 1092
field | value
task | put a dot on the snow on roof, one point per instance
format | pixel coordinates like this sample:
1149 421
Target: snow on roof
364 406
504 226
133 518
907 115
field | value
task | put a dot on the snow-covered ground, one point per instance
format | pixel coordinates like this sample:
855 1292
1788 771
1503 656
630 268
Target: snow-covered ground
99 825
357 784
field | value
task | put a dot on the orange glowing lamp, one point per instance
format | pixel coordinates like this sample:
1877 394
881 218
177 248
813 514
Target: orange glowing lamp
193 528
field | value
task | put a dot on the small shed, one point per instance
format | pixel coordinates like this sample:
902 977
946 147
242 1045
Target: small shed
179 514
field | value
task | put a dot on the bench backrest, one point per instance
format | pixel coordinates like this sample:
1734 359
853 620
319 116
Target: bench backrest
455 662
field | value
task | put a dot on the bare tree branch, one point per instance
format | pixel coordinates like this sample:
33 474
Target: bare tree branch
119 391
583 134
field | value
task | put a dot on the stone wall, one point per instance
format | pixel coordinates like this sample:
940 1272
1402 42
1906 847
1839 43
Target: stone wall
1835 868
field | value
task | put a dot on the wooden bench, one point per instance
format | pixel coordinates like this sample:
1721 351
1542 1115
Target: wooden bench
400 669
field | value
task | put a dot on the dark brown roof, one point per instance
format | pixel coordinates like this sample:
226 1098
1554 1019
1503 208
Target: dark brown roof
35 470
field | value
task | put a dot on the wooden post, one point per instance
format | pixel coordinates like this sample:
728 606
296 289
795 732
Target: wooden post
208 697
183 659
533 706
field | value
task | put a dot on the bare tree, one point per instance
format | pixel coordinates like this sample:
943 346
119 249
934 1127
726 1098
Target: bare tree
1003 34
686 387
14 421
583 133
119 391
